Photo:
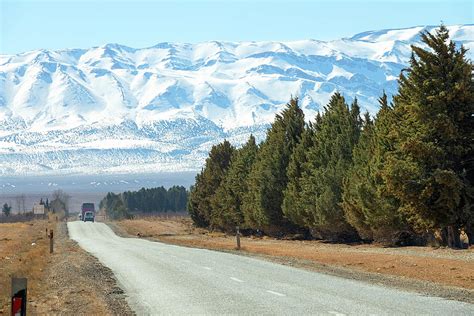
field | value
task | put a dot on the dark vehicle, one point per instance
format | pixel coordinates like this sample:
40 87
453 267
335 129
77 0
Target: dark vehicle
89 217
88 212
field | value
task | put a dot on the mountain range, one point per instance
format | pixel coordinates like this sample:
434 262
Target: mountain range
117 109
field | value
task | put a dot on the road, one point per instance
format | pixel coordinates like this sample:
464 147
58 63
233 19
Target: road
166 279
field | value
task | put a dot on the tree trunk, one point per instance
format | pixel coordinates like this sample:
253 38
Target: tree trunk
457 239
450 235
444 236
454 237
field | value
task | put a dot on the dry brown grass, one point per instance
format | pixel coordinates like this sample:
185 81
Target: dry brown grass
24 252
69 281
443 266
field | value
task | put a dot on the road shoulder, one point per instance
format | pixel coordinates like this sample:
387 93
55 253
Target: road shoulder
78 284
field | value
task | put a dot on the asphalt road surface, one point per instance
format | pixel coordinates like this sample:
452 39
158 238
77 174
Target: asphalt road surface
165 279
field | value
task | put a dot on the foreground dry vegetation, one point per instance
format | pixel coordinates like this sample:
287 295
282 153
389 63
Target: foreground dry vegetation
441 266
24 251
70 281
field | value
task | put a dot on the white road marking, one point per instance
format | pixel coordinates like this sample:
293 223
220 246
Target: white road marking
207 268
236 280
275 293
336 313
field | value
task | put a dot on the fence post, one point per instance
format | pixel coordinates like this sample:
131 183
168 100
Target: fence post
51 241
237 235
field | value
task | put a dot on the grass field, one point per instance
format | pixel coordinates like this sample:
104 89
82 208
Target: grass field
24 252
69 281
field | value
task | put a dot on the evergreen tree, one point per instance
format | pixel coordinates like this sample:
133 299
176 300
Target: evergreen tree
359 187
268 177
119 210
327 162
196 200
227 202
108 201
175 199
292 193
367 205
207 183
6 209
430 169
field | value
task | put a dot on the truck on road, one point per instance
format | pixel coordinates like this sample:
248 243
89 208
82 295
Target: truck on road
88 212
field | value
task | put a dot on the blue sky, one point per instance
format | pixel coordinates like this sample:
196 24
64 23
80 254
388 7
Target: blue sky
27 25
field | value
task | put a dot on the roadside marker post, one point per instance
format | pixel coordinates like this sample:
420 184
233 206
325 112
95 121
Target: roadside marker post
51 241
238 237
19 286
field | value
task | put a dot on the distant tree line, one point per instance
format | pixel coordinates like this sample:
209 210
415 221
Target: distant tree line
153 200
22 216
21 204
400 177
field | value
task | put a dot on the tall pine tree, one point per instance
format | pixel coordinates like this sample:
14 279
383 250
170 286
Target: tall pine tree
227 202
359 188
327 162
430 169
292 193
268 177
207 182
367 205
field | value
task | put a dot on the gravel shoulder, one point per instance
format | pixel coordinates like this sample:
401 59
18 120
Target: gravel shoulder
435 272
78 284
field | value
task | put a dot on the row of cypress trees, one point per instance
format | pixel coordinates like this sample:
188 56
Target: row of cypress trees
410 169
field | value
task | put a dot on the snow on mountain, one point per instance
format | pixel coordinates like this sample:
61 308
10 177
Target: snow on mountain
115 108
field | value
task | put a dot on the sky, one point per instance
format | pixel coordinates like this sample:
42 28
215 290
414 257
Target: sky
28 24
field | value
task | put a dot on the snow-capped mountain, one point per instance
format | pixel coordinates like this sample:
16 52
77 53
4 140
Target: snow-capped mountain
119 109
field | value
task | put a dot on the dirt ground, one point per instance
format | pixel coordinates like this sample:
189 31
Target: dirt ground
443 272
68 282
